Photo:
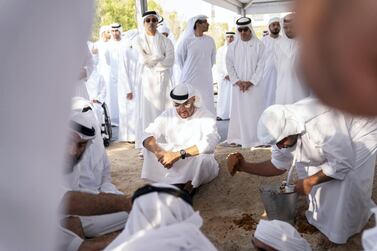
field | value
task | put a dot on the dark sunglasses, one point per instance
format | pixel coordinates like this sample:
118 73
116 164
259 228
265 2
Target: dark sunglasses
244 29
153 20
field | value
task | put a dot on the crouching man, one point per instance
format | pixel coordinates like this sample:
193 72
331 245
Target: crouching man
180 143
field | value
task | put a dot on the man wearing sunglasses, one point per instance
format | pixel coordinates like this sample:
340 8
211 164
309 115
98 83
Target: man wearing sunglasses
196 54
245 64
156 54
180 143
289 87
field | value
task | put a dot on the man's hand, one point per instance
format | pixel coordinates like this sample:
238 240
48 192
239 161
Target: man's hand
246 85
234 162
129 96
95 101
167 158
227 77
240 85
303 186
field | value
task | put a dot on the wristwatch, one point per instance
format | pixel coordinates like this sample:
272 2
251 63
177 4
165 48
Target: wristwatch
182 153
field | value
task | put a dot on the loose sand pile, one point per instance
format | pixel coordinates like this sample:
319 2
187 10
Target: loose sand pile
230 206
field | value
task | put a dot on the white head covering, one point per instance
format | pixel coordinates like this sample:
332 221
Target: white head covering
103 29
369 237
189 32
245 22
278 122
116 26
281 236
182 92
83 123
273 20
161 221
151 13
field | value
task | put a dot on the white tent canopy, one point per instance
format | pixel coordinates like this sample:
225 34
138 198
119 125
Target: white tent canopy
244 7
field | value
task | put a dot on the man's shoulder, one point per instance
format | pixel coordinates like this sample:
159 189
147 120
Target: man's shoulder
202 112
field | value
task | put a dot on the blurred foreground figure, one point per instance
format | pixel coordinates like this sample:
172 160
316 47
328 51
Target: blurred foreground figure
278 235
37 80
339 53
162 218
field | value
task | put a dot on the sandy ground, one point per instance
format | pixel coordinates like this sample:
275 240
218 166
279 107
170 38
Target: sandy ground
230 206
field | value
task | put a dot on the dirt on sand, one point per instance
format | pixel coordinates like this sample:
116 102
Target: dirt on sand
230 206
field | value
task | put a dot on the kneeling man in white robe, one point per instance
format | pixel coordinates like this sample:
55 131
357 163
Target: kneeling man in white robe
334 156
180 143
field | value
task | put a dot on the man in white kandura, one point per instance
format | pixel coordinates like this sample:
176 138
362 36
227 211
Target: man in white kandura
156 54
289 87
180 143
278 235
87 213
113 54
196 54
94 165
224 85
270 73
334 156
129 82
245 64
162 218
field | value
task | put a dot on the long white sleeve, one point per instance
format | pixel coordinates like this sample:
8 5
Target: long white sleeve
258 74
230 64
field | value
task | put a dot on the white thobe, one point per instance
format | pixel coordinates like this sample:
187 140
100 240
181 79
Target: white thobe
270 72
113 55
224 86
289 87
102 64
173 134
129 77
156 54
196 56
245 62
345 150
96 88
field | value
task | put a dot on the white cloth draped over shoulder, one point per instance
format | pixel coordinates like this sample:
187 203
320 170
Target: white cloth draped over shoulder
245 62
156 55
224 93
173 134
270 72
160 221
342 147
281 236
289 86
195 57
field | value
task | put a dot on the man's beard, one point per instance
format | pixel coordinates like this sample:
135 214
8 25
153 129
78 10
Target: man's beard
275 32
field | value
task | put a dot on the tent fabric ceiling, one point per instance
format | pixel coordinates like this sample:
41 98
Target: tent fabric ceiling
254 6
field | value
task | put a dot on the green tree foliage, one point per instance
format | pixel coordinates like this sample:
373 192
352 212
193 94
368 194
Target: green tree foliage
111 11
217 32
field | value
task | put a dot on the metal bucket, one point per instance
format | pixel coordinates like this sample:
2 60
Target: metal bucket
278 205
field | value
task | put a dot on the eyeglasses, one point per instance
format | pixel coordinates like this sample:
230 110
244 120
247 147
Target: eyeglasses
244 29
153 20
186 105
